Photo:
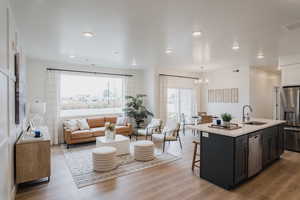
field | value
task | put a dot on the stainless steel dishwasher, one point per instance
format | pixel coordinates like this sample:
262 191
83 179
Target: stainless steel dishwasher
255 154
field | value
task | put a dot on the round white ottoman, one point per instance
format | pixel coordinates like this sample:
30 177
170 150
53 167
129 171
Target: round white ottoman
143 150
104 158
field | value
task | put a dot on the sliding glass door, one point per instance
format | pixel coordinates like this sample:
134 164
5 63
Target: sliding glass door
180 101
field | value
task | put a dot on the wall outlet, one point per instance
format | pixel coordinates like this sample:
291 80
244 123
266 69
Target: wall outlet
205 134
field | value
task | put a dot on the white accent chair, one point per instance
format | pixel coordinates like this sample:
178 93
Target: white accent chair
153 127
170 133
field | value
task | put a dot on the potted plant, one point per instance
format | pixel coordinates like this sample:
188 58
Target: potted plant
136 110
110 131
226 117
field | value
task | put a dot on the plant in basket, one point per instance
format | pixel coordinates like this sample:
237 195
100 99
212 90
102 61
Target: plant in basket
226 117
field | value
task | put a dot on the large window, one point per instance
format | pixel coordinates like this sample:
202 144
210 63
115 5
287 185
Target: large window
91 95
180 101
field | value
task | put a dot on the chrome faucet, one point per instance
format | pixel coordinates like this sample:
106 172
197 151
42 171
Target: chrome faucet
246 118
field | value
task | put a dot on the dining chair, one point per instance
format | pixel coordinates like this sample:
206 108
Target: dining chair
185 121
202 114
206 119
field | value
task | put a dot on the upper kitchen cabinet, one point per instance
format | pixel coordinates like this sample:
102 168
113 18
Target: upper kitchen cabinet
3 33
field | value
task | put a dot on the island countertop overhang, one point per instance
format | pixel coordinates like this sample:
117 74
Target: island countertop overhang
245 128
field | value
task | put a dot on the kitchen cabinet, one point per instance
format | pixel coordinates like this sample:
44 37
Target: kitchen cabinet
292 138
228 161
241 158
280 140
269 145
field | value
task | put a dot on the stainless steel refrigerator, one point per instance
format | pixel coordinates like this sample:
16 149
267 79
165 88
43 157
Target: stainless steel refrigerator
290 103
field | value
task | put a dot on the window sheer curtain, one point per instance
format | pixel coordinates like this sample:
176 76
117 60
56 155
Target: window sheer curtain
186 88
163 83
53 107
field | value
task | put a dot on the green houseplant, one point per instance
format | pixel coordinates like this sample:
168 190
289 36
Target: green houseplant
226 117
135 109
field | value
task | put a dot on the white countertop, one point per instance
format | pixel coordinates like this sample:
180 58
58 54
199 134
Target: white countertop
238 132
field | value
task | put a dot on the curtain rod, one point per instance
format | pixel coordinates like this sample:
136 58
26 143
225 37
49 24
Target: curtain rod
67 70
177 76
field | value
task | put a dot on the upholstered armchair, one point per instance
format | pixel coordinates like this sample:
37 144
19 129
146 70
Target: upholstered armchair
170 133
153 127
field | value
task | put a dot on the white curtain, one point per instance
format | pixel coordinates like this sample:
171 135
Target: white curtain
129 86
53 107
163 80
188 95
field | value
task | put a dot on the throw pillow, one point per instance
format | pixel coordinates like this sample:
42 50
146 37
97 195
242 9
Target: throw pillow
83 125
121 121
72 125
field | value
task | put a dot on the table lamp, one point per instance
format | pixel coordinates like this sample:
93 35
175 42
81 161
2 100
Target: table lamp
38 109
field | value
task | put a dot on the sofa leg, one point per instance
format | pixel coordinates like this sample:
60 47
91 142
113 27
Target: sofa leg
68 146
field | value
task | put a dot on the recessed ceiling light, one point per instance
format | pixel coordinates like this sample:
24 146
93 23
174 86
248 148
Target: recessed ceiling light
260 56
88 34
235 46
72 56
169 51
116 52
197 33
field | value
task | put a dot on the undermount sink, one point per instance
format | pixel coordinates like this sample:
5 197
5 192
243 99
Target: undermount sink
255 123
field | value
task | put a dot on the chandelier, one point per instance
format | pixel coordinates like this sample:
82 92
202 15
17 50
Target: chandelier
202 78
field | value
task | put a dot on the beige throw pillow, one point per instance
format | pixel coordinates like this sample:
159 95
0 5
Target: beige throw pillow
121 121
83 125
71 125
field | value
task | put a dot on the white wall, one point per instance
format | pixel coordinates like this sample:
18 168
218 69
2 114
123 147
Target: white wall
9 45
226 78
262 85
151 89
291 75
37 76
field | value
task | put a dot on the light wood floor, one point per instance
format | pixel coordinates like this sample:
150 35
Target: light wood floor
281 181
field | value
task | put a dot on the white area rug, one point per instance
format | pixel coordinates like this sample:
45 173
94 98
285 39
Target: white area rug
79 161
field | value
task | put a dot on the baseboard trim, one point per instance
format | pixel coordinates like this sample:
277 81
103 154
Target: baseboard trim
13 192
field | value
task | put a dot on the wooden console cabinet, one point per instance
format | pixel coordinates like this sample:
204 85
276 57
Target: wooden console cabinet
33 159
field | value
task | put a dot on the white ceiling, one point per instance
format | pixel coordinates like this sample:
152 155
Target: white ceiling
144 29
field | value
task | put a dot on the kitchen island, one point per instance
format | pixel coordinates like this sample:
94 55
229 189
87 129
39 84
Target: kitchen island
230 157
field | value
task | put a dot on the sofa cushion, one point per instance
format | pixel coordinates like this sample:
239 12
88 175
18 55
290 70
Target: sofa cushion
98 131
95 122
120 129
83 125
121 121
111 119
81 134
71 125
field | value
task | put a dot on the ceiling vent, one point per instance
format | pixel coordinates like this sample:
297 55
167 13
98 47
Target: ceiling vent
293 26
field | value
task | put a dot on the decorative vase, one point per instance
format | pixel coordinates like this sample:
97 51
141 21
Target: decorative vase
110 135
226 124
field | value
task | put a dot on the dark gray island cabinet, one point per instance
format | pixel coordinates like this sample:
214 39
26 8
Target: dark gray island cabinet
229 158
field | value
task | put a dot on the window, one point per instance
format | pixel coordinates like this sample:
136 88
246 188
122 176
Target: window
91 95
180 101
